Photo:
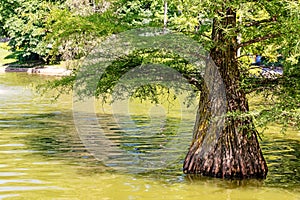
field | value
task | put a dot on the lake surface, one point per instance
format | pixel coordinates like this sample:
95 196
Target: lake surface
43 157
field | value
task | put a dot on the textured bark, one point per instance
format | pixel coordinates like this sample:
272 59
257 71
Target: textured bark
236 152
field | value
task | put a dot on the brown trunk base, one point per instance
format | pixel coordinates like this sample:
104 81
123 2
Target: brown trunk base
236 155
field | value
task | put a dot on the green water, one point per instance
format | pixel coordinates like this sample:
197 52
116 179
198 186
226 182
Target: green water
42 156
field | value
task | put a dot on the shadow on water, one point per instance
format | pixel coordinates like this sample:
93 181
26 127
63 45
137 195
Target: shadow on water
60 141
282 155
224 183
54 136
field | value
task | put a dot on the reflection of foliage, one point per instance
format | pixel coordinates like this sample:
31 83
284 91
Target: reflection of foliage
143 140
283 157
54 138
12 79
146 137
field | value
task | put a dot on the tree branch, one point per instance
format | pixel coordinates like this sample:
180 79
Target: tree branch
258 39
193 81
260 84
241 56
257 23
249 68
197 32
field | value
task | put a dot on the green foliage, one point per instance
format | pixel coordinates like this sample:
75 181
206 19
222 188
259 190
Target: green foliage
139 13
4 54
73 36
57 87
106 85
7 10
26 28
49 30
285 16
151 13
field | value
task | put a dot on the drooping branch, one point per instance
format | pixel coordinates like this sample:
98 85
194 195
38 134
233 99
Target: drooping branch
258 39
257 23
193 81
259 84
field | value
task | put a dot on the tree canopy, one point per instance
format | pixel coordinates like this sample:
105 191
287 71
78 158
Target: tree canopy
267 28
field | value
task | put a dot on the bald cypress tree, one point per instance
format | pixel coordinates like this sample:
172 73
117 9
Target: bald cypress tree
236 153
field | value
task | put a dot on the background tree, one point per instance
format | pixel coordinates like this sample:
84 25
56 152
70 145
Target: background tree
26 28
53 30
7 8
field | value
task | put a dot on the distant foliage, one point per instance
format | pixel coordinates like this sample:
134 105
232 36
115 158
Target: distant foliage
72 36
7 10
54 30
26 28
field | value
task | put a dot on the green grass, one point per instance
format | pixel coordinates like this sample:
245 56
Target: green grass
5 55
10 58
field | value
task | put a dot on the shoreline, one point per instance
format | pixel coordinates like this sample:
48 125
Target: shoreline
46 71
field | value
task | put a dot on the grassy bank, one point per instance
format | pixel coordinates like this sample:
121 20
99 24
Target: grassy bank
5 55
9 63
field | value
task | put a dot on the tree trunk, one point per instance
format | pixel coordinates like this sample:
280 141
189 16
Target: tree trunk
236 152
